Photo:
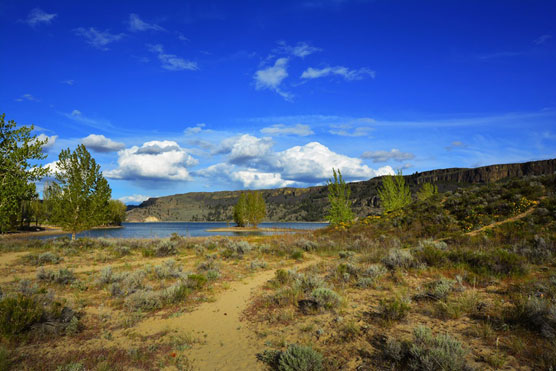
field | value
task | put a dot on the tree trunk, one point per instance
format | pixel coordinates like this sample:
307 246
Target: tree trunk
73 236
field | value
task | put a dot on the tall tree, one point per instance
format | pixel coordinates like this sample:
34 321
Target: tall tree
81 194
394 194
17 148
116 212
240 211
338 195
256 208
427 190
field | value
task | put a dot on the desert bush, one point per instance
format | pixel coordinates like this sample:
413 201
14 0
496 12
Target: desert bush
107 276
5 363
297 254
236 249
345 254
438 290
286 296
122 250
309 282
168 269
257 264
26 288
41 259
144 300
398 258
165 248
394 309
537 251
535 313
294 358
209 264
176 293
62 276
427 352
18 314
374 271
306 245
196 281
326 298
132 282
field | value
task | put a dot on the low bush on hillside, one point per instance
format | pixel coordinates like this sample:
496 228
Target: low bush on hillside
294 358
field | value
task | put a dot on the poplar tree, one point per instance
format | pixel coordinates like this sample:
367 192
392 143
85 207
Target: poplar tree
427 190
240 211
17 174
81 194
394 194
256 208
338 195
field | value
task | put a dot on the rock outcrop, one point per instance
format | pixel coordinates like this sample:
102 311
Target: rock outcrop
309 204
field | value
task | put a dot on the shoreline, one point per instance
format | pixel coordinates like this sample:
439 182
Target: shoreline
252 229
47 231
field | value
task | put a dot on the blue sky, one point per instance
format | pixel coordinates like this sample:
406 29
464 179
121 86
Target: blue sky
174 97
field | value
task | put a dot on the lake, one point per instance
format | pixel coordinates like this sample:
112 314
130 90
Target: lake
186 229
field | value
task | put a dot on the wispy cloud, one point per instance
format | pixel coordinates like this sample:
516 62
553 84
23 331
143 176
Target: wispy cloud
542 39
136 24
281 129
99 143
455 144
27 97
194 129
383 156
271 77
98 39
68 82
349 130
502 54
301 49
38 16
346 73
98 124
133 199
171 62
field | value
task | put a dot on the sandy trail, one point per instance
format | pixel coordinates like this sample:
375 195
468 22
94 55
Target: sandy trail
229 344
512 219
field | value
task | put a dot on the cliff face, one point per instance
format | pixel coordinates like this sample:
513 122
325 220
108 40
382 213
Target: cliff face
309 204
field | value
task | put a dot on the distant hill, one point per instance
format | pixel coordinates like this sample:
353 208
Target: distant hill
310 204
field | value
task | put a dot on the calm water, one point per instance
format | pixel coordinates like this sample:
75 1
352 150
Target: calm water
187 229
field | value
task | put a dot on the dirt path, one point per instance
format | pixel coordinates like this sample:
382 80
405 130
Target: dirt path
512 219
229 344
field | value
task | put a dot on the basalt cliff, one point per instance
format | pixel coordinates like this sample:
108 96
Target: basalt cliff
310 204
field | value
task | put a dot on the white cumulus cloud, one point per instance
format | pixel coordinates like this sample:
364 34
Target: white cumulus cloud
38 16
281 129
171 62
98 39
51 140
99 143
137 24
155 160
271 77
245 148
383 156
255 179
346 73
301 49
134 199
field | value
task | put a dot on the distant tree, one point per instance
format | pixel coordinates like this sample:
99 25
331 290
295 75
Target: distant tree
427 190
116 212
81 194
17 174
394 194
338 195
240 211
256 208
250 209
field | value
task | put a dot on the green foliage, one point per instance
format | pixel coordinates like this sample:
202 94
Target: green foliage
295 358
394 194
338 195
427 352
394 309
427 191
250 209
81 195
17 147
116 212
4 359
326 298
18 314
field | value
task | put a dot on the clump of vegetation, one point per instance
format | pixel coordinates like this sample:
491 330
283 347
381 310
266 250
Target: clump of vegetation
168 269
236 249
437 290
340 204
394 309
250 209
294 358
398 258
394 194
42 259
18 314
427 352
326 298
62 276
537 314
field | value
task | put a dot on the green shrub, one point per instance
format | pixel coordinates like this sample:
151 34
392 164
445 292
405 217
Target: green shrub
439 289
168 269
196 281
398 258
62 276
18 314
295 358
5 363
427 352
394 309
297 255
326 298
537 314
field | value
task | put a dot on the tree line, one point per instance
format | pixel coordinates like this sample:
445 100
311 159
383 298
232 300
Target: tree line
76 199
